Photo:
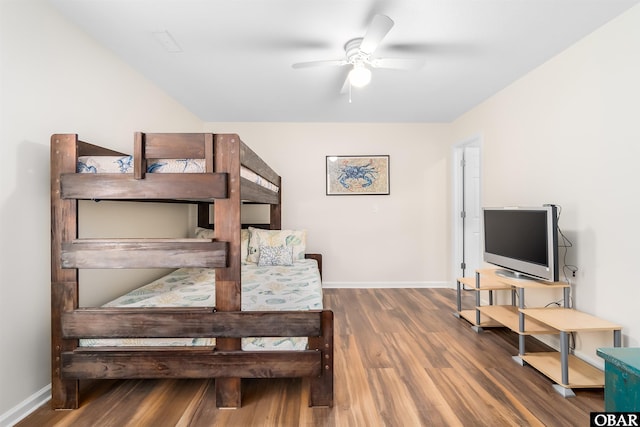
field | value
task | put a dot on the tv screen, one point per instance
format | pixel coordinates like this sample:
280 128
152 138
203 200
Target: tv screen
522 240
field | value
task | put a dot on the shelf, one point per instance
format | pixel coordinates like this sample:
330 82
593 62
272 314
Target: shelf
581 374
539 321
507 315
469 282
490 274
470 285
570 320
485 322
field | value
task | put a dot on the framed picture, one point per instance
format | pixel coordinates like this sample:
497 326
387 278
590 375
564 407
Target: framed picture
350 175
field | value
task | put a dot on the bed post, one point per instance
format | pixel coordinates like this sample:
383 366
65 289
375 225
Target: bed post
321 387
203 215
64 282
226 217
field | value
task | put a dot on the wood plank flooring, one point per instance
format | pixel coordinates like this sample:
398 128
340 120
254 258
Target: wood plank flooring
401 359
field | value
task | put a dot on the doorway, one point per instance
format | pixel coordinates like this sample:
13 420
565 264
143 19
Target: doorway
467 207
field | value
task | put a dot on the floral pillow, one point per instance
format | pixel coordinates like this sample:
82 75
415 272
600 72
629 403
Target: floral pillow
296 239
275 255
205 233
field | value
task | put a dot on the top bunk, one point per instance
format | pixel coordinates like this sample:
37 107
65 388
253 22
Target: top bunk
191 167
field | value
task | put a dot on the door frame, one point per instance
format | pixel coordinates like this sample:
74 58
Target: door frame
458 246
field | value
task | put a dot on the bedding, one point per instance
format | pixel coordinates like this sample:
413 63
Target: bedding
296 239
273 288
207 233
280 245
124 164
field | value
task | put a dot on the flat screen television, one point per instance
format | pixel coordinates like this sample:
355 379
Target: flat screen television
523 241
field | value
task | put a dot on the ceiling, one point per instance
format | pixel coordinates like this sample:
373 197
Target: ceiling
234 63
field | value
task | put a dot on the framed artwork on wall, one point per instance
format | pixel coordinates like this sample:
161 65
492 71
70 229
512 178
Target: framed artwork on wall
357 175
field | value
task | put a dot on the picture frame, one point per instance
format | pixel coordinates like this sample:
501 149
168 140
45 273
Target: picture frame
357 175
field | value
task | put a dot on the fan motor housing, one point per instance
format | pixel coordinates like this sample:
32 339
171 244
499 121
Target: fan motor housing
353 52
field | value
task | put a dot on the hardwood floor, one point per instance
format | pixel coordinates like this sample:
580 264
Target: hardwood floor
401 359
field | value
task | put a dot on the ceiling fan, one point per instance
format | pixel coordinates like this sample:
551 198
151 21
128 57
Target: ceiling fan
359 55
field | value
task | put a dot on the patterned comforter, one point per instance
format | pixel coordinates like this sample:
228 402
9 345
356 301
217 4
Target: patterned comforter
124 164
275 288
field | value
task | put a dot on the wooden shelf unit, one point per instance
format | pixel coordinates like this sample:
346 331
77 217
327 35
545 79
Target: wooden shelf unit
581 374
485 322
565 369
475 316
570 320
507 315
493 315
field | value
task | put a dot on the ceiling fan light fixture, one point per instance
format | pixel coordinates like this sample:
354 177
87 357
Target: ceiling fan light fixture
360 75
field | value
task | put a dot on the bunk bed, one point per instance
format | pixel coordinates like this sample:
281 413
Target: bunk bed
222 182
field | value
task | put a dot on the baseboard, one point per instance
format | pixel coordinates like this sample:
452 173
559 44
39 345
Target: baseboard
384 285
27 406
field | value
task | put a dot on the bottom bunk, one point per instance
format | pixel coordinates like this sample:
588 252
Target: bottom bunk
168 329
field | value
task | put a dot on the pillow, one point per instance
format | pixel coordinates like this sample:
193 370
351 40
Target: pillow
297 239
244 245
206 233
275 255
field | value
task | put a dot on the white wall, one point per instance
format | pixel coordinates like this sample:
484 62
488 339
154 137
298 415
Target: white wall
53 79
367 241
567 133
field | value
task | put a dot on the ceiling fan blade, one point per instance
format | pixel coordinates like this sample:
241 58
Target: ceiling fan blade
345 86
444 48
378 29
398 63
328 62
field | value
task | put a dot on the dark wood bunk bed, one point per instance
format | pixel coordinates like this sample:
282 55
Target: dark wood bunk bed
222 185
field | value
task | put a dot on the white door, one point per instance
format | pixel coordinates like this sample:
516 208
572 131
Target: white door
466 209
471 209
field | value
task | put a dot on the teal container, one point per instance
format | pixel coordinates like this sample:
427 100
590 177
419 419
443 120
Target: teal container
621 378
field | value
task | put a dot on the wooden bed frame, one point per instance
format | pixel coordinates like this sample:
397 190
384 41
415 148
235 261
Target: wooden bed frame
226 362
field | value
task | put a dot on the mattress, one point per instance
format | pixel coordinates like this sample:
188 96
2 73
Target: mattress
124 164
274 288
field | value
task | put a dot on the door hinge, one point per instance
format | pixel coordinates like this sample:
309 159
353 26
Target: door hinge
463 265
463 214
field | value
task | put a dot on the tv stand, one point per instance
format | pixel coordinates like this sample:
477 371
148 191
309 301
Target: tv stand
573 372
566 370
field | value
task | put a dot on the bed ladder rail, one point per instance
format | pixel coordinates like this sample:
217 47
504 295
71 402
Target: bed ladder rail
174 322
155 186
252 191
316 363
144 253
156 362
